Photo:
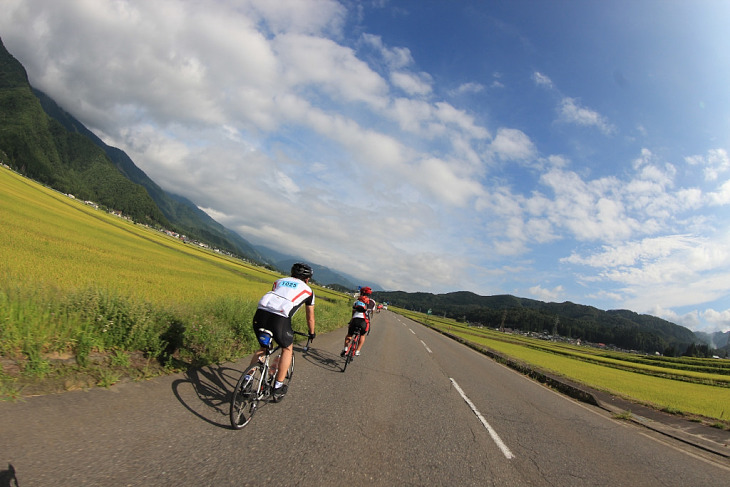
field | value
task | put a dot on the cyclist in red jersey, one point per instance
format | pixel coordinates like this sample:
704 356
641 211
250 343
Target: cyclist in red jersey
360 320
274 313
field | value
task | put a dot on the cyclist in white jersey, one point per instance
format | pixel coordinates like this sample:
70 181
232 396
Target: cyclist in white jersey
274 313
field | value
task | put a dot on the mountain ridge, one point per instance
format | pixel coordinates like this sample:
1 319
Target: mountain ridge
39 147
184 215
622 328
322 274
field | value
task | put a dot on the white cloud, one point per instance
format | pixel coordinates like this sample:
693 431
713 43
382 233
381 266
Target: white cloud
467 88
513 145
718 320
413 84
394 57
459 119
722 196
542 80
311 17
542 294
444 183
630 254
715 163
589 210
666 272
571 112
322 64
412 115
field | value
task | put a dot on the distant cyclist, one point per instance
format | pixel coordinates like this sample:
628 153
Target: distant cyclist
360 320
274 313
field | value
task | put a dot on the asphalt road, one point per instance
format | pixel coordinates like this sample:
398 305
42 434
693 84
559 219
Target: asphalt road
415 409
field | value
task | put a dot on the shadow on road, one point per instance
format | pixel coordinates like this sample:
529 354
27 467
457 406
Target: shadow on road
321 358
213 387
8 478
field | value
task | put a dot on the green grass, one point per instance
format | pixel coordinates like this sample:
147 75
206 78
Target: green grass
76 280
661 385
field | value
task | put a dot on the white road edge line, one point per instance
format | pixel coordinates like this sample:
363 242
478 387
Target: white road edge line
506 451
412 331
424 344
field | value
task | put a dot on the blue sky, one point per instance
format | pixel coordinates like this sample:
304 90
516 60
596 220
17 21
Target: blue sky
560 151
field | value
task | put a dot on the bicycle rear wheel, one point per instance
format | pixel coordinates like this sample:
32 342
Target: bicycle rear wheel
245 397
350 353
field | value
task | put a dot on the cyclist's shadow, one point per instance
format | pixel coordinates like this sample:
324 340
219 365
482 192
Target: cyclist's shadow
212 387
8 478
321 358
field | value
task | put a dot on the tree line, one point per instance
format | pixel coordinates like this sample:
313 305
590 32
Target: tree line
620 328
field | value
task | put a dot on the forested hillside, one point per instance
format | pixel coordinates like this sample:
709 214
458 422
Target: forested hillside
621 328
185 217
44 142
42 149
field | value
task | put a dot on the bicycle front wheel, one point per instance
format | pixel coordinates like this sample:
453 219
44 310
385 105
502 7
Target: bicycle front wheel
245 397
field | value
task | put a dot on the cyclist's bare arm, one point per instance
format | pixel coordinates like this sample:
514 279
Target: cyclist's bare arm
309 310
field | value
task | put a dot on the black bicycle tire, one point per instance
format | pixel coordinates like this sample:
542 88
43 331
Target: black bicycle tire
350 351
347 359
241 404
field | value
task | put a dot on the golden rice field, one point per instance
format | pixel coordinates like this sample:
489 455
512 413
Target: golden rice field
50 239
77 279
660 385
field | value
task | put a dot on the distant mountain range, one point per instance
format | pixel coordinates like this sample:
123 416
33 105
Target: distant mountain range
621 328
46 143
323 275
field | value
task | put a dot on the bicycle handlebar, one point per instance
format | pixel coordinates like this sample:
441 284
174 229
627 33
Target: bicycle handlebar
309 339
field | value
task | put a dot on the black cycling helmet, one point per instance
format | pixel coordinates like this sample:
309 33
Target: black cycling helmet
301 271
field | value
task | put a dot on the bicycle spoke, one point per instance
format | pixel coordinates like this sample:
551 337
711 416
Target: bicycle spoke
245 398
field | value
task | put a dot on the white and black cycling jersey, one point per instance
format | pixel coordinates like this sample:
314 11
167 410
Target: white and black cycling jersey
286 297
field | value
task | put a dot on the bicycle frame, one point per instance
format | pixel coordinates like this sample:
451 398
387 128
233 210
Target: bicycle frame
258 387
351 348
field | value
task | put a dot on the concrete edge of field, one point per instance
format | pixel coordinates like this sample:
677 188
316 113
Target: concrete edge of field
697 434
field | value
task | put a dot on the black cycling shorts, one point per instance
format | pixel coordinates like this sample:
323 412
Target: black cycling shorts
357 324
280 326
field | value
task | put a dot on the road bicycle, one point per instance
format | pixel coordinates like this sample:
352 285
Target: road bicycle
259 386
351 348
